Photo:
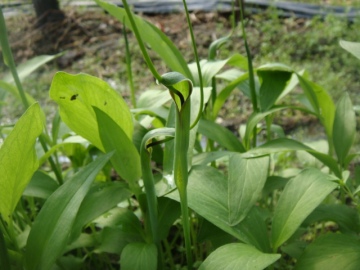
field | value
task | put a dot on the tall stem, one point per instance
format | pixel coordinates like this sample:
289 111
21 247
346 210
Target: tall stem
197 60
182 134
251 73
140 42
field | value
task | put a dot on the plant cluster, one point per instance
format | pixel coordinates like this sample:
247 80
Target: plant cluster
163 185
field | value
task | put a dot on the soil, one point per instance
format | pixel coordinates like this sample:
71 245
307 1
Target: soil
93 43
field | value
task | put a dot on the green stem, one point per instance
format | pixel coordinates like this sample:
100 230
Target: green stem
149 183
128 68
251 73
182 134
197 60
9 60
150 190
140 42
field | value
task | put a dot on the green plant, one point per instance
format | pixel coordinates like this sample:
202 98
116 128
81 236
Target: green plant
134 173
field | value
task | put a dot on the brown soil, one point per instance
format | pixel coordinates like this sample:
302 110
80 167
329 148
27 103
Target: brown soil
93 43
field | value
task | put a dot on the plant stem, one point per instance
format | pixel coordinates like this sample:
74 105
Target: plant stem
150 190
128 68
140 42
197 60
251 74
182 133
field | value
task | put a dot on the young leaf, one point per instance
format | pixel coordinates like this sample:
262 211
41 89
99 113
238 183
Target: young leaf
77 94
41 185
351 47
246 181
18 160
139 256
321 103
221 135
126 159
273 83
332 251
344 127
238 256
52 227
299 198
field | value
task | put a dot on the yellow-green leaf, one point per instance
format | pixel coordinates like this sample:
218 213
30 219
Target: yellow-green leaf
18 160
76 94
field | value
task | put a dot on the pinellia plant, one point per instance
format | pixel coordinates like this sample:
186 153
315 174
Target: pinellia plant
162 185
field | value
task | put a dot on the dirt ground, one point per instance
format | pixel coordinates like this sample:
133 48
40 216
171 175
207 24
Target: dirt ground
93 43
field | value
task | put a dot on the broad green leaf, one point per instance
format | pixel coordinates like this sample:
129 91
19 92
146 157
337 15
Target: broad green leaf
52 227
114 239
169 212
321 102
238 256
139 256
41 185
216 236
208 157
18 160
351 47
299 198
344 127
285 144
246 180
274 183
126 159
289 86
77 94
25 69
153 98
346 217
101 198
273 84
208 196
332 251
221 135
152 36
